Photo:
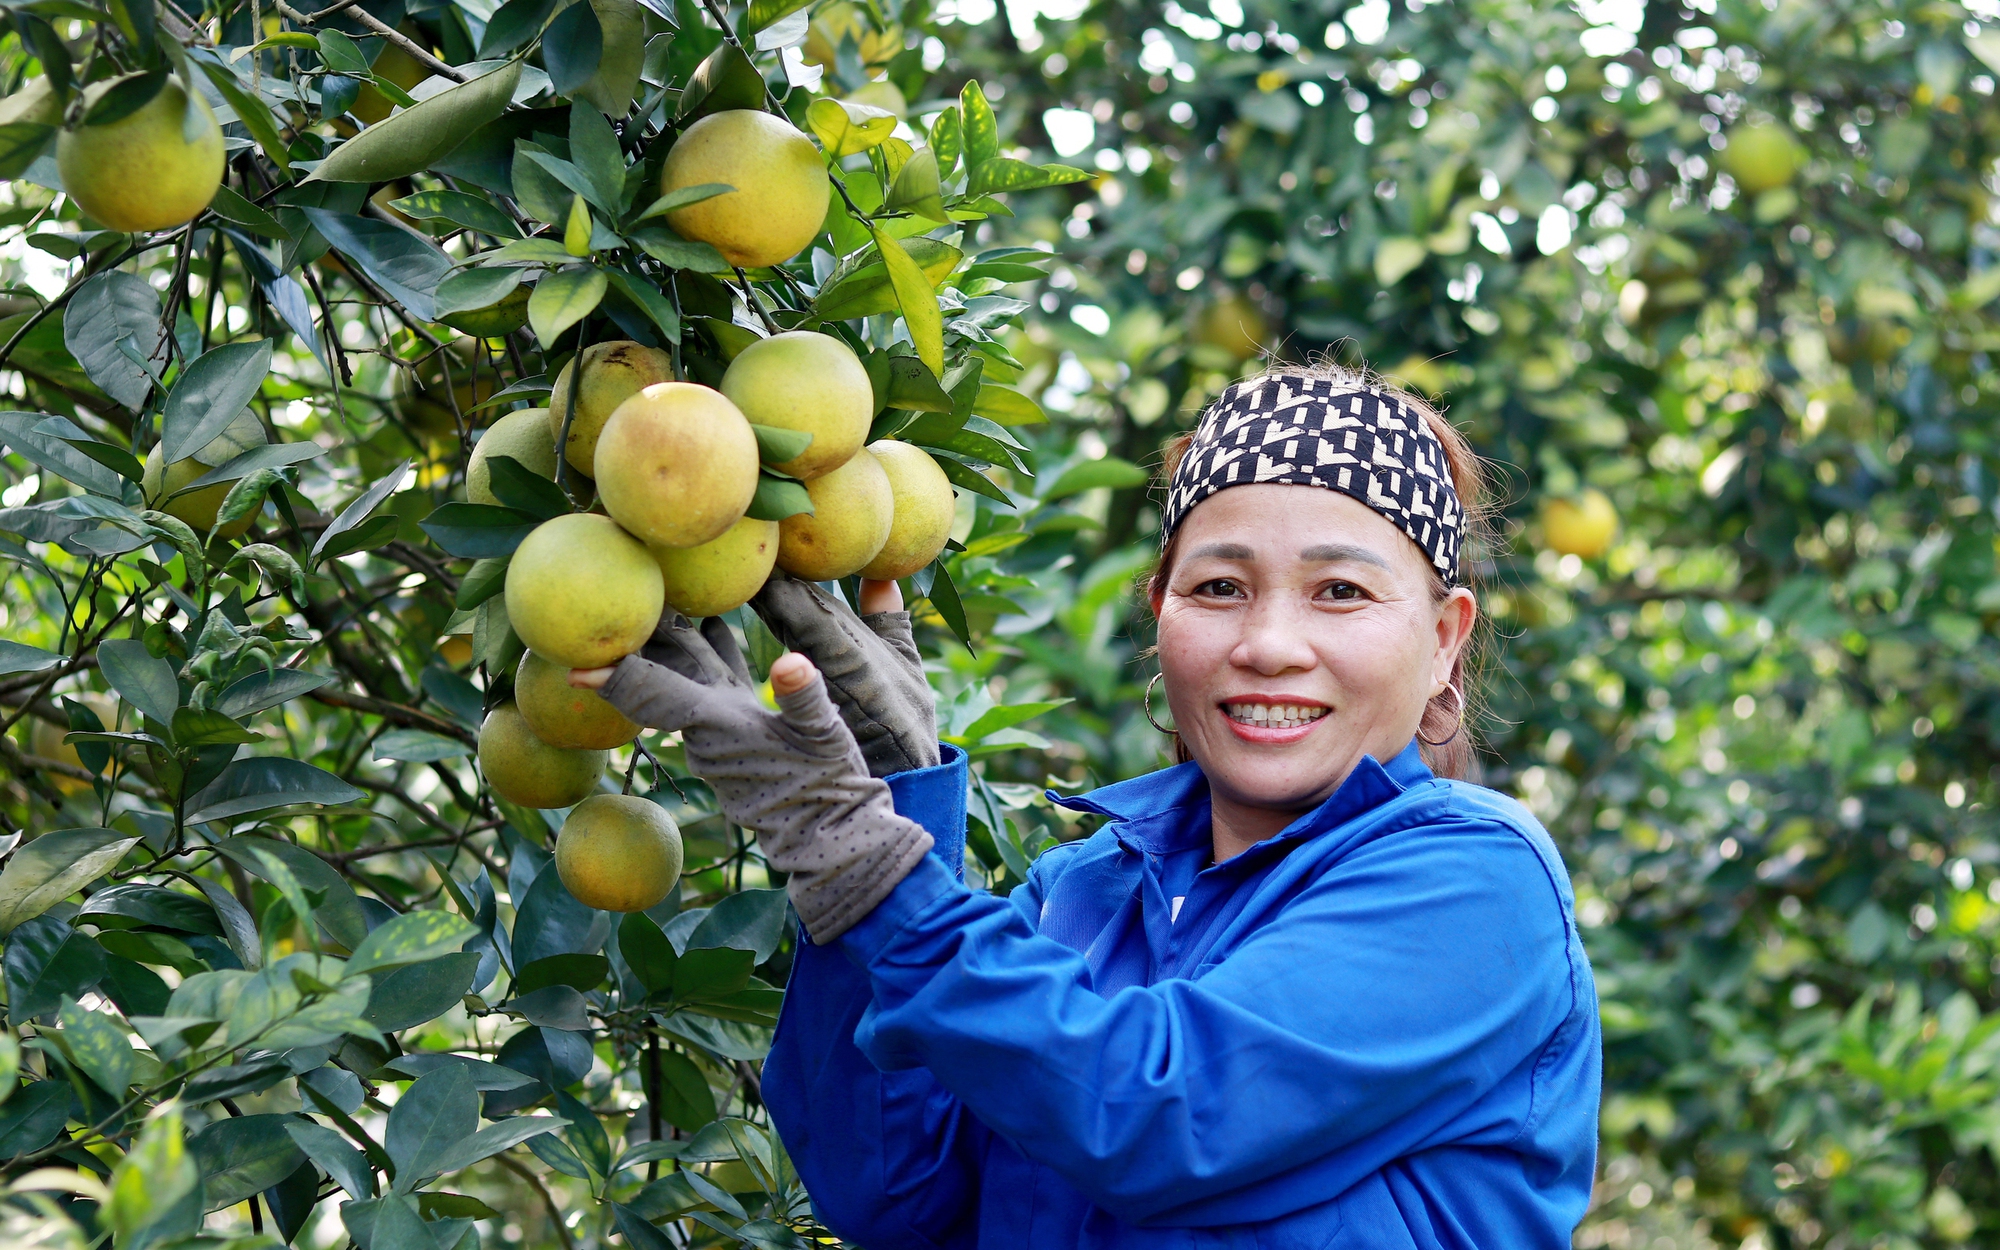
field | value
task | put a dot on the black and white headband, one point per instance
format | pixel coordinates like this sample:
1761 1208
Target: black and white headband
1317 432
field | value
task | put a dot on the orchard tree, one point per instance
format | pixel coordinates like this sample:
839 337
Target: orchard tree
401 358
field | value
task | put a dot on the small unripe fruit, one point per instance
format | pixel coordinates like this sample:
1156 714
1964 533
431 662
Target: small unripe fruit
925 507
721 574
612 373
853 507
781 185
522 436
198 508
677 464
1760 157
1583 526
583 592
810 382
139 173
568 716
522 768
618 852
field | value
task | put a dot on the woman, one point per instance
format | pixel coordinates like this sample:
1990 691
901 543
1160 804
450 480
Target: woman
1297 992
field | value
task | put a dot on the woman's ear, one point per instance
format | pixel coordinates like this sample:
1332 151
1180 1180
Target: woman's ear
1458 612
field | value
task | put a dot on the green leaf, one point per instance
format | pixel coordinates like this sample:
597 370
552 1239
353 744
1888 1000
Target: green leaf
262 783
845 128
53 455
684 197
572 47
110 315
981 132
276 561
583 972
405 265
725 79
434 1116
347 1166
478 531
491 1140
917 298
934 582
460 209
861 286
19 657
550 921
206 398
269 456
470 290
553 1007
156 1175
259 691
686 1100
45 961
514 23
199 727
995 719
484 580
418 746
594 150
246 497
778 498
341 54
21 143
421 992
359 511
1110 471
410 141
1007 406
658 308
751 920
138 904
1003 173
562 299
764 12
241 1156
537 251
712 973
232 207
249 107
409 938
647 952
947 141
777 445
98 1046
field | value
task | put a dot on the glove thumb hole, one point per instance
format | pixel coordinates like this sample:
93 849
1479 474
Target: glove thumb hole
801 695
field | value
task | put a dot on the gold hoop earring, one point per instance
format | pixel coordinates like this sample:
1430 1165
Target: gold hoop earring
1148 704
1459 696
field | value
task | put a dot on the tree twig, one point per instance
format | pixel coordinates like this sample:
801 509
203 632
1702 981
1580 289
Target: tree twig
417 51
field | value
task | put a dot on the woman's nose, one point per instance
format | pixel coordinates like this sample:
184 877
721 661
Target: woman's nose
1274 639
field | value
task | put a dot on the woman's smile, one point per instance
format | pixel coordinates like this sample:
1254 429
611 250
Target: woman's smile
1272 720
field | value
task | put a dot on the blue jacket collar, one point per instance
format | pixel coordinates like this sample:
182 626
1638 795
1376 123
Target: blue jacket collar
1168 810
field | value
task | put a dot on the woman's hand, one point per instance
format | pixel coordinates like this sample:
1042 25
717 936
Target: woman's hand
871 664
794 775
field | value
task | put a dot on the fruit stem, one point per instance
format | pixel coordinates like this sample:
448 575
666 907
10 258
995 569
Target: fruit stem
756 305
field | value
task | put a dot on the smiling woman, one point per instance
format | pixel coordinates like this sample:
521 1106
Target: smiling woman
1300 992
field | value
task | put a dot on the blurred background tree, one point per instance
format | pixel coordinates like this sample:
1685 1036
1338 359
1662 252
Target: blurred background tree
1711 286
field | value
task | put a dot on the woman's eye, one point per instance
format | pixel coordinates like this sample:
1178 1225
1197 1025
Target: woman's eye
1342 591
1220 588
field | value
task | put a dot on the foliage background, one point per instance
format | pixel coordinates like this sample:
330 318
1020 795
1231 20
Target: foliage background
1762 727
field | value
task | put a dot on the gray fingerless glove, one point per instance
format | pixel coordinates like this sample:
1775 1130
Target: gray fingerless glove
795 776
872 668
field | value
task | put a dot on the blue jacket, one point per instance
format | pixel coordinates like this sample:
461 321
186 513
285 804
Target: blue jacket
1374 1029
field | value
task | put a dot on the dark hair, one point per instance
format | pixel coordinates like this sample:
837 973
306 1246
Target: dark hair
1457 757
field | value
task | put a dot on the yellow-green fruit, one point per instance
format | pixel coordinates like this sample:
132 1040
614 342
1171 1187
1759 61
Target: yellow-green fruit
198 508
781 186
616 81
1583 526
522 768
806 381
563 715
495 320
619 852
522 435
583 592
677 464
722 574
924 510
1760 157
139 173
853 509
612 373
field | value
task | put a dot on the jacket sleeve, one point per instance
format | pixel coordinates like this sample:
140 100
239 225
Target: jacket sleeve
1365 1021
891 1159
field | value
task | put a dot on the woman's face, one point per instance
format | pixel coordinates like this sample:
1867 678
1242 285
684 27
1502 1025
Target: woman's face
1298 633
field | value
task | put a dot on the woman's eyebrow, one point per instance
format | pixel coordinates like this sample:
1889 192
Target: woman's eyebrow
1332 552
1223 551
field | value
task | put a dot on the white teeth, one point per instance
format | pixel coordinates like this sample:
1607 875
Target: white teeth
1273 715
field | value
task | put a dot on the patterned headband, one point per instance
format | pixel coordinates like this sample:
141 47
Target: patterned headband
1317 432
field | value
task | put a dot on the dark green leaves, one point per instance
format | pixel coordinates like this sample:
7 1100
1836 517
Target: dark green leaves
45 962
525 490
571 48
403 264
459 209
477 531
410 937
513 24
243 1155
265 782
113 318
431 1118
205 399
413 139
140 678
358 511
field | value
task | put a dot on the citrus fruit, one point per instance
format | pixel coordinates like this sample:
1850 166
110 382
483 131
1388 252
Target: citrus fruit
563 715
676 464
1761 156
583 592
1581 526
810 382
522 768
612 373
198 508
523 436
619 852
722 573
852 512
140 172
781 186
920 521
